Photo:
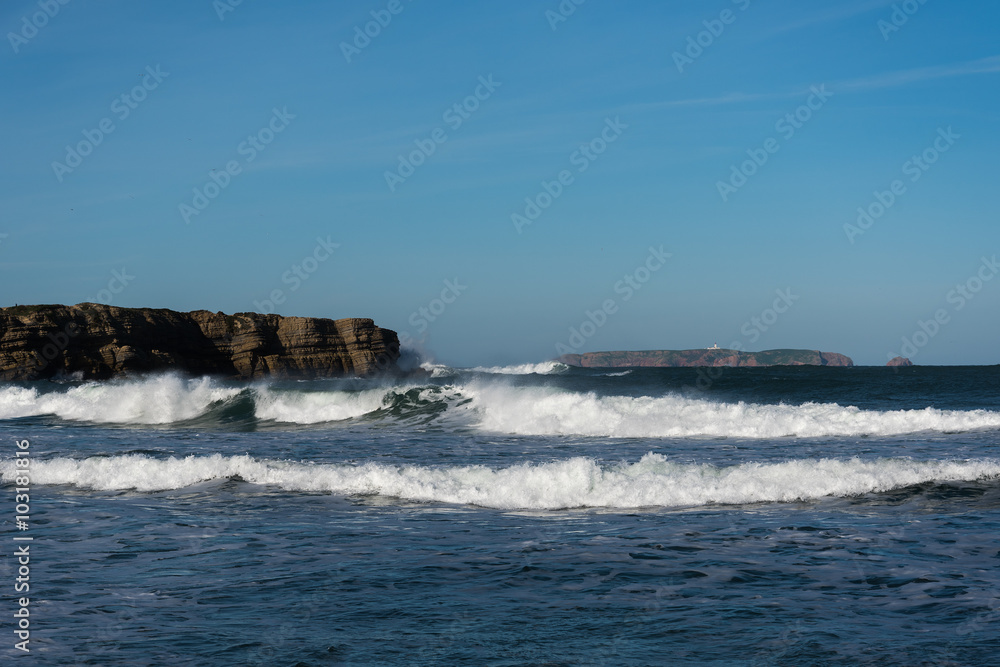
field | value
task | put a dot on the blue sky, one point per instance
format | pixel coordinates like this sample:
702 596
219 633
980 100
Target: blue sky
642 122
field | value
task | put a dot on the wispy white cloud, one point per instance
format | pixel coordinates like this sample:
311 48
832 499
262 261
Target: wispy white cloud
903 77
833 15
728 98
898 78
379 150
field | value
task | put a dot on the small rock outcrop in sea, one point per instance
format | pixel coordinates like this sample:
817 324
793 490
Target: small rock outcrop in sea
98 342
705 357
899 361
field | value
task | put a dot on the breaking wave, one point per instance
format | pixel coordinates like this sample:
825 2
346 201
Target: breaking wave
313 407
653 481
543 368
438 370
544 411
470 400
158 400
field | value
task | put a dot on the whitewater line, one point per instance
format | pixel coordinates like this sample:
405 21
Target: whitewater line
653 481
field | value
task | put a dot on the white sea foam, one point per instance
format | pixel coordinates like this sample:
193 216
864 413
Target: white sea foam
543 368
156 400
550 411
438 370
491 405
313 407
653 481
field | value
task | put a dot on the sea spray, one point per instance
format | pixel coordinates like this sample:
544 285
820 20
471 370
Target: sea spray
525 400
551 411
653 481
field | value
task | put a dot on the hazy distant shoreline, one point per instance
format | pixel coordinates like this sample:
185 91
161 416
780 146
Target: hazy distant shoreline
705 357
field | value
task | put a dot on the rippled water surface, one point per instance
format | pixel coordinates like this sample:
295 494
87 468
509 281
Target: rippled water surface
512 516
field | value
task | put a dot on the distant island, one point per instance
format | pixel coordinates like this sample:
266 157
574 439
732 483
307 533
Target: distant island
94 341
713 356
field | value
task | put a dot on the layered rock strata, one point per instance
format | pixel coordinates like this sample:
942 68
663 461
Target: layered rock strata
95 341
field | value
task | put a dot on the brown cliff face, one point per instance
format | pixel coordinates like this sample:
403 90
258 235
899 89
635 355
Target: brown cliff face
835 359
104 341
899 361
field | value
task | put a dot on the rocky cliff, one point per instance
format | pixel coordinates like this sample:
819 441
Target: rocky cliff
100 342
899 361
706 357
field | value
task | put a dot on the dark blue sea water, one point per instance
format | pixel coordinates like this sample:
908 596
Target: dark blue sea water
536 515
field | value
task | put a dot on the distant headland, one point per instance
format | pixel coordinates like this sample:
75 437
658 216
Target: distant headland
95 341
713 356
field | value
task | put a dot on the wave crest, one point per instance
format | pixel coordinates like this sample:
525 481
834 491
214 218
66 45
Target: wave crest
548 411
489 404
157 400
543 368
313 407
653 481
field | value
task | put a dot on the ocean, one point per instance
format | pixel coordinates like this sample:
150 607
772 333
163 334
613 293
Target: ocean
527 515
